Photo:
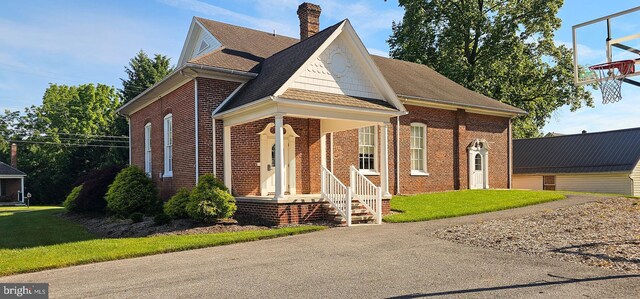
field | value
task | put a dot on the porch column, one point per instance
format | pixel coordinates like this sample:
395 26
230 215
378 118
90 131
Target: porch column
21 190
279 157
227 156
384 160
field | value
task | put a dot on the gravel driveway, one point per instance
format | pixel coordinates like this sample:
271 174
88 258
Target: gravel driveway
604 234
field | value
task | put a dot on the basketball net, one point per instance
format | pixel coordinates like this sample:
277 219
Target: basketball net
610 76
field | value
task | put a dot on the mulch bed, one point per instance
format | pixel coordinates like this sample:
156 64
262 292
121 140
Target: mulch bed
604 234
110 227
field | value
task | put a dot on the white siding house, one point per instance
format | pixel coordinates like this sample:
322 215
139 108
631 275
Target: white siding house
603 162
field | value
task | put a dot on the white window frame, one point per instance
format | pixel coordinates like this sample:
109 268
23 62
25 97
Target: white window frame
424 170
168 145
147 149
376 157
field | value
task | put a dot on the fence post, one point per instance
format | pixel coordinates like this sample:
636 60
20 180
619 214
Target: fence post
349 198
379 205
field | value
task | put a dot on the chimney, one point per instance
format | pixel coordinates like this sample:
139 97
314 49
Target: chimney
309 15
14 155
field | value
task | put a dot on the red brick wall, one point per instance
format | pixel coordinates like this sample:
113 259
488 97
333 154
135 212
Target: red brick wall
180 103
495 130
211 93
272 213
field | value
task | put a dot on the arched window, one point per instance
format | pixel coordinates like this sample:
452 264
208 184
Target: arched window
418 147
168 145
478 162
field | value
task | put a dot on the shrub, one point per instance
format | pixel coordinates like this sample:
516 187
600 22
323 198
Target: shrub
137 217
161 219
176 207
132 191
95 186
71 203
208 205
208 181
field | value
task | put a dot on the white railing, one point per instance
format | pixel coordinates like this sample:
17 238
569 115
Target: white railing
367 193
336 193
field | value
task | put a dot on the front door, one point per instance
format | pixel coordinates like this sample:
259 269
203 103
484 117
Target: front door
477 175
268 169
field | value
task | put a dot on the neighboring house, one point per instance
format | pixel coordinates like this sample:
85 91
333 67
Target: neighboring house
282 121
606 162
11 180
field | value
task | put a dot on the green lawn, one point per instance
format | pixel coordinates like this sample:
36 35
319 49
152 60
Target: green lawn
36 239
458 203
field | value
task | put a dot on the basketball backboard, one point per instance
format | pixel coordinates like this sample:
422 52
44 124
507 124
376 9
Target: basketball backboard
607 40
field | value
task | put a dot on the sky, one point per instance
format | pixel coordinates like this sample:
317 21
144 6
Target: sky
76 42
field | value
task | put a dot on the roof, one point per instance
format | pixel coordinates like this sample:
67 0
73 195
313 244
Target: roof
6 170
275 57
336 99
278 68
242 48
610 151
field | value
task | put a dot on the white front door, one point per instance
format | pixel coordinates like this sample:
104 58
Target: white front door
477 174
268 166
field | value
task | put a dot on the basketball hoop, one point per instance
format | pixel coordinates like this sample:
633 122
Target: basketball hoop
610 76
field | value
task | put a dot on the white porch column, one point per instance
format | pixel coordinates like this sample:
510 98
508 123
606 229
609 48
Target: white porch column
323 150
21 190
279 157
384 160
227 156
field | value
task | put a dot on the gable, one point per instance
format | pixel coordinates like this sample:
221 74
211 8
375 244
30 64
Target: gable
337 71
199 41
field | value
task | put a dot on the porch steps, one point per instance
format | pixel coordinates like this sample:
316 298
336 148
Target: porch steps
359 214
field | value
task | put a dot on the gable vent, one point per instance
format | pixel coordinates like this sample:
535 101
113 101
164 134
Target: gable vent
203 46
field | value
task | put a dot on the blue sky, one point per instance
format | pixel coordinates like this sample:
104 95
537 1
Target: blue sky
74 42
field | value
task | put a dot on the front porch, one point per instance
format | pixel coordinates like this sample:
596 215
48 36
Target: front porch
11 190
281 162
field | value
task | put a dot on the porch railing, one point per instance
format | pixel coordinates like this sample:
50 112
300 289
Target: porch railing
367 193
336 193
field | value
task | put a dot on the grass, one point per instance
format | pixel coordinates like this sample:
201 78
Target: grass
37 239
431 206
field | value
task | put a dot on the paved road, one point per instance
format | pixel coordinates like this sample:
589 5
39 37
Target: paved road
391 260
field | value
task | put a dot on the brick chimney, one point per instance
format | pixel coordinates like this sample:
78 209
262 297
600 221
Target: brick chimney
309 15
14 155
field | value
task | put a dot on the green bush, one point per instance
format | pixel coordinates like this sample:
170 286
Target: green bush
70 203
210 204
132 191
161 219
137 217
208 181
176 207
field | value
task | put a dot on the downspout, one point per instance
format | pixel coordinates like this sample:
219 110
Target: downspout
129 125
215 146
196 125
510 157
398 155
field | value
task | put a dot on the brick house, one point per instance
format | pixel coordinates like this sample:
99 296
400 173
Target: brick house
298 128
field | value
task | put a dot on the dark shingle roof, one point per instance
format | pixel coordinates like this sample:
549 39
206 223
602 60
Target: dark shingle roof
256 51
336 99
277 69
5 169
591 152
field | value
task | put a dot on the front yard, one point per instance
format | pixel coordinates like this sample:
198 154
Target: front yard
36 238
459 203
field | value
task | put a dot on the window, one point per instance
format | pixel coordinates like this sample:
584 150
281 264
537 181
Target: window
549 182
478 162
367 149
418 147
147 149
168 145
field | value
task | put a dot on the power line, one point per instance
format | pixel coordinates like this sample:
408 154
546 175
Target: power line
88 135
86 140
68 144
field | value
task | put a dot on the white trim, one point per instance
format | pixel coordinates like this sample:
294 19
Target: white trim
227 156
384 160
440 104
168 136
331 149
376 155
195 92
21 189
425 169
338 107
189 43
12 176
148 159
279 171
227 99
478 147
397 168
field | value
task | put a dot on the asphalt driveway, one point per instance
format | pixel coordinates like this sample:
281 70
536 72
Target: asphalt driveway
390 260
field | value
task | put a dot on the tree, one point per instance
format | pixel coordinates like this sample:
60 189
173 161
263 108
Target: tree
502 49
142 73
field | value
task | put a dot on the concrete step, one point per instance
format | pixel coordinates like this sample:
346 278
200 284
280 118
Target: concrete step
358 211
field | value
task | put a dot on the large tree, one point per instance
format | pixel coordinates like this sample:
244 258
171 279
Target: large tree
503 49
142 73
